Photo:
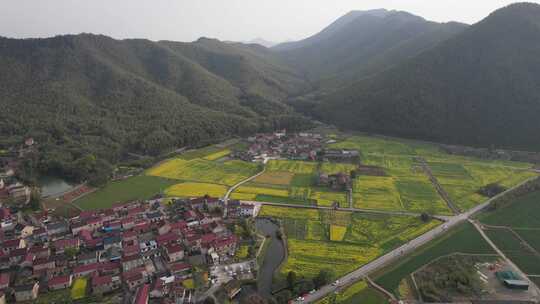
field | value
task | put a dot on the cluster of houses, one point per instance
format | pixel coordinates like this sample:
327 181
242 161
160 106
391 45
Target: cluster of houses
140 249
11 189
339 182
298 146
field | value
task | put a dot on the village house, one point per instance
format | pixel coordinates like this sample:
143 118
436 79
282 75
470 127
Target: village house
174 253
180 270
85 270
131 262
61 282
58 228
11 245
142 295
105 284
4 280
26 292
60 246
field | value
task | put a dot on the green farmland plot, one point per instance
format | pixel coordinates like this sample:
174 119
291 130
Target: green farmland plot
292 166
133 188
522 216
463 239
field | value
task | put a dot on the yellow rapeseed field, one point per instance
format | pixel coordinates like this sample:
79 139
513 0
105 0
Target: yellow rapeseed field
195 190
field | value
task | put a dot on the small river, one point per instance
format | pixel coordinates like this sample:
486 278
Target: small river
275 253
51 186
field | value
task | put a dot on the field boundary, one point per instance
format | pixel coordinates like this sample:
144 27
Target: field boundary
444 195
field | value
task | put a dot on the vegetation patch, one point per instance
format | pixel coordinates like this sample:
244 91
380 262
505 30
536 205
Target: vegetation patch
275 178
371 192
292 166
218 155
359 292
133 188
451 278
226 173
463 239
78 290
333 168
337 233
189 189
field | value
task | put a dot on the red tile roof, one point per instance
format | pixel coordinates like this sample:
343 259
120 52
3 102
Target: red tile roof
142 294
59 280
4 278
97 281
179 267
85 268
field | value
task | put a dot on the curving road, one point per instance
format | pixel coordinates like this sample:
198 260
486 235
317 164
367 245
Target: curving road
401 251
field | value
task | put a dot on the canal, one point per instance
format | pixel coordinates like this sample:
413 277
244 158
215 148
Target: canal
274 255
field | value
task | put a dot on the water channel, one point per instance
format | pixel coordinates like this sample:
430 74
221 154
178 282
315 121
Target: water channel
274 255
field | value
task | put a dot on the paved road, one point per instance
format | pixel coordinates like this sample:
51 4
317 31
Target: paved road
231 189
401 251
373 211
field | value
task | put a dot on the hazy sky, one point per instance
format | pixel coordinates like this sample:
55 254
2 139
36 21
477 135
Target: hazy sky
187 20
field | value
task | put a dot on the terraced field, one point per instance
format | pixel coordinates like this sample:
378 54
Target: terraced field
340 240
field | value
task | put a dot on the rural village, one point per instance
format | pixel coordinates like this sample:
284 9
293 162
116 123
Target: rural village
192 244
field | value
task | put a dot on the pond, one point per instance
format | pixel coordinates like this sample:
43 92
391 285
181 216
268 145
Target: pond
275 253
51 185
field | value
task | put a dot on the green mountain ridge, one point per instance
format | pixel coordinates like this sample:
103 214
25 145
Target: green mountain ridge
92 95
480 87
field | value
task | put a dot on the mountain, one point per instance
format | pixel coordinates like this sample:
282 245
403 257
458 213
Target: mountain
361 44
480 87
261 41
93 97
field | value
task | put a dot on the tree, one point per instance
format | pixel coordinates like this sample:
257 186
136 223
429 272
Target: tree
291 279
35 199
284 296
353 174
425 217
324 277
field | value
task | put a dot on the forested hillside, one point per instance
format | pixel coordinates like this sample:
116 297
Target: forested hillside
361 44
481 87
89 99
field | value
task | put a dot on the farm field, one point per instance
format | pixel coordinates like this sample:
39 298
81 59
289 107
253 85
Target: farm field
217 155
133 188
462 181
359 292
521 216
226 173
460 176
341 240
293 182
187 190
463 239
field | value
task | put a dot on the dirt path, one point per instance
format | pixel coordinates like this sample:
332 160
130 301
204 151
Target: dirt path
438 186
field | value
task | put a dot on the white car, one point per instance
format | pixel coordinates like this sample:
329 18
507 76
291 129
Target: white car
335 283
313 291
